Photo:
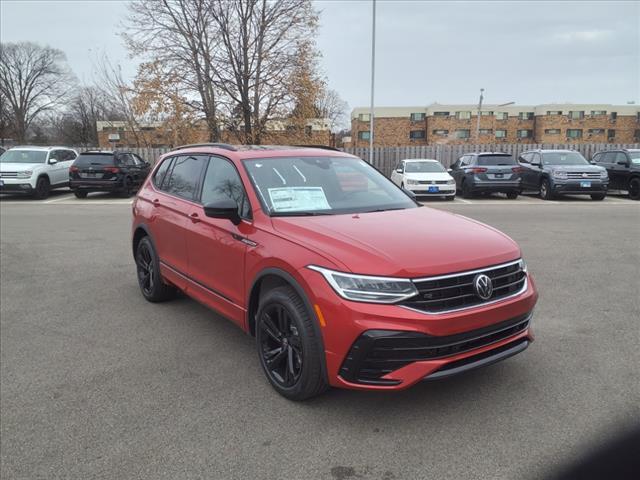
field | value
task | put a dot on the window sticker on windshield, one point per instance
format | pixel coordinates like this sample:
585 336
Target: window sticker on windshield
292 199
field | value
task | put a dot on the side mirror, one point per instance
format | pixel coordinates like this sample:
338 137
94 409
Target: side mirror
226 208
399 170
449 170
409 193
52 161
623 162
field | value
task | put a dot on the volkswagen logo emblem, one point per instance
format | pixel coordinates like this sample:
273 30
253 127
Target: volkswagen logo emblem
483 286
584 175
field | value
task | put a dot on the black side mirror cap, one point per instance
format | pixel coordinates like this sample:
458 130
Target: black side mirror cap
226 208
622 162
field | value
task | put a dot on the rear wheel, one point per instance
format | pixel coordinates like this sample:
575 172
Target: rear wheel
80 193
148 269
634 188
43 187
545 190
289 350
466 190
127 188
512 195
598 196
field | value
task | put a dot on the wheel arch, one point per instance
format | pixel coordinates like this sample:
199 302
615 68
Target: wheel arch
139 233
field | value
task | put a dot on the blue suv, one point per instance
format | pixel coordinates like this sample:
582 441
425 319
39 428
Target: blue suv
558 172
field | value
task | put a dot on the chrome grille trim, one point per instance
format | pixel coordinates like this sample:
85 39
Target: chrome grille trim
578 175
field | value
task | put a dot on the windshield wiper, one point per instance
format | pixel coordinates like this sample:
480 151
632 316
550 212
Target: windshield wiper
299 214
384 209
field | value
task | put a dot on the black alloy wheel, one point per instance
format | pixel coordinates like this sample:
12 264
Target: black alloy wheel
148 269
634 188
280 345
43 187
80 193
545 190
512 195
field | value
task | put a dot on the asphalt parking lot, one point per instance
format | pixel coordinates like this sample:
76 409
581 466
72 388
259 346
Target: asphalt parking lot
97 383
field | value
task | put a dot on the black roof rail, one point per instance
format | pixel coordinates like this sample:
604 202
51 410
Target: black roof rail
323 147
225 146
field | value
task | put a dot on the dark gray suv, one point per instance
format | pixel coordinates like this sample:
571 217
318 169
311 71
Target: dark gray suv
557 172
487 172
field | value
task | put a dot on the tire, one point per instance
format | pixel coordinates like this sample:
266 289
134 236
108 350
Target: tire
127 188
512 195
545 190
634 188
148 272
290 353
466 190
450 198
80 193
43 187
598 196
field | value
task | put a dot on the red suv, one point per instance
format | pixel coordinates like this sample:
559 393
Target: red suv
340 275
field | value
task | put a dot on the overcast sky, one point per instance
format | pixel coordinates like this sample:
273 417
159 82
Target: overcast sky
526 52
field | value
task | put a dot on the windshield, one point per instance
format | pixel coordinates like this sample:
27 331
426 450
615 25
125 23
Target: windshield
563 158
24 156
635 157
421 167
292 186
94 159
496 160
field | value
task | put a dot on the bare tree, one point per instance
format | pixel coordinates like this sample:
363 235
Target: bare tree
33 79
331 107
180 35
261 40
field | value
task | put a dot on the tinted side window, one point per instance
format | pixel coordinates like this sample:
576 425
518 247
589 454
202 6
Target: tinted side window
184 177
161 172
69 155
127 159
222 182
57 155
608 157
598 158
525 158
620 157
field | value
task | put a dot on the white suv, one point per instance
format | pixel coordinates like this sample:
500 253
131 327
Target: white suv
35 170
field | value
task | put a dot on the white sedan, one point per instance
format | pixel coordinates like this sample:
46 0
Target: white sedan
424 177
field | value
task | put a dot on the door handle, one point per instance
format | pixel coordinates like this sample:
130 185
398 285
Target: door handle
156 202
194 217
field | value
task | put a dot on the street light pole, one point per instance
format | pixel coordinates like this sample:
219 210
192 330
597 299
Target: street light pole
373 72
478 119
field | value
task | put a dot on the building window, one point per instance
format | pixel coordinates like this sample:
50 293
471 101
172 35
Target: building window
596 131
485 114
417 134
554 112
552 131
501 134
525 133
365 135
611 134
502 115
598 113
308 130
576 115
574 133
364 117
614 116
636 134
441 133
417 117
526 115
463 115
463 133
440 114
486 131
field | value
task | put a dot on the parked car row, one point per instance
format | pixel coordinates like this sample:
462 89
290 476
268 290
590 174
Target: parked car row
550 173
36 171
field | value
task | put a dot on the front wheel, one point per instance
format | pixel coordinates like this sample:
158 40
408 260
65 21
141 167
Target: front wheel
43 187
512 195
148 268
80 194
545 190
289 350
598 196
450 197
634 188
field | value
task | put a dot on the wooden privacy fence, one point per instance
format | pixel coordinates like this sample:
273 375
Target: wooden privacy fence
386 158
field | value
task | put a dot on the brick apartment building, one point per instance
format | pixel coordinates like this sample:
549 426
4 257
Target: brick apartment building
456 124
118 134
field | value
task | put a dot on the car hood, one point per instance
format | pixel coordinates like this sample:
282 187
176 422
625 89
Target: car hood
18 167
575 168
427 176
415 242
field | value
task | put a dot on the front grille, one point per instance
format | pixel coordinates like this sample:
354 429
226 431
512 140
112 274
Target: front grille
456 291
8 174
433 182
378 352
577 175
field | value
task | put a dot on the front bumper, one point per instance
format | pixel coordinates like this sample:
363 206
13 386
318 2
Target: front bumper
423 190
16 185
576 186
448 343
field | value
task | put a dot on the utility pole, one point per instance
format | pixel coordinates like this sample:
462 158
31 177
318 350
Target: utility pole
478 119
373 75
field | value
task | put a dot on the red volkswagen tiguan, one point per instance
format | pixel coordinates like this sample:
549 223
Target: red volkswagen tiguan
343 279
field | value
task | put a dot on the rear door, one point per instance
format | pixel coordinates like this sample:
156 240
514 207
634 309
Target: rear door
216 247
174 197
618 169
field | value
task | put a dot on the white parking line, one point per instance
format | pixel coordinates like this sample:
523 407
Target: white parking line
59 199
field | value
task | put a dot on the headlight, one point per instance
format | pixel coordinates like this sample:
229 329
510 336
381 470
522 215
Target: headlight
603 174
451 182
523 265
25 174
411 182
560 174
363 288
